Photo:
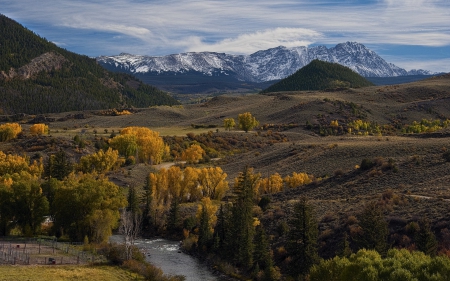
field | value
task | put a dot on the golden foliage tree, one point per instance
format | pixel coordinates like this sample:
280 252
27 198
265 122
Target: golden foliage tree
150 146
212 182
10 164
272 184
190 186
193 154
100 162
247 122
229 123
125 144
211 210
9 131
297 179
39 129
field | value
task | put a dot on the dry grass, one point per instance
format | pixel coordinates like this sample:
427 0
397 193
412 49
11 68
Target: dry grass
60 273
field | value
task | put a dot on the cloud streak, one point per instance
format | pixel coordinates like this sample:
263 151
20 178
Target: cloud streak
158 27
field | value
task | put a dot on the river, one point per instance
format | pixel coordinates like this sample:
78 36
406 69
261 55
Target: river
166 255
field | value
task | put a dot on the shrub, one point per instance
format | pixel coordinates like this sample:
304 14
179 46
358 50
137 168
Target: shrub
366 164
264 203
446 156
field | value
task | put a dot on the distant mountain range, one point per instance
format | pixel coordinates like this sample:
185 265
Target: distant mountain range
260 67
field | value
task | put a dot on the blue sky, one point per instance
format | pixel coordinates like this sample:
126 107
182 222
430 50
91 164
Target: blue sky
412 34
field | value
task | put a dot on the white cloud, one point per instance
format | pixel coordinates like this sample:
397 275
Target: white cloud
160 27
260 40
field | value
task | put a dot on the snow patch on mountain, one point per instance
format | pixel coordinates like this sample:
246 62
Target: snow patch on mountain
265 65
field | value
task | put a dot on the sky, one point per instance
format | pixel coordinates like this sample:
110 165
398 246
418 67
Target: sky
413 34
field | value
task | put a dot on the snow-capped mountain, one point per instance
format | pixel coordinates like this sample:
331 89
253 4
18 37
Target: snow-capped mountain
266 65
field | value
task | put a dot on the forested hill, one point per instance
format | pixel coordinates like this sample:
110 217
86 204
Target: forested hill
36 77
320 75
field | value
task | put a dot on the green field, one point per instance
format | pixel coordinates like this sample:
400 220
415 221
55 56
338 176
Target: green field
59 273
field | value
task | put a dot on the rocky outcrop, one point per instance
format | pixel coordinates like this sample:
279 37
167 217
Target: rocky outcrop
45 62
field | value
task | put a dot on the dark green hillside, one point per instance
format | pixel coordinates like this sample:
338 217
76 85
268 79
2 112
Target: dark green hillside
36 76
320 75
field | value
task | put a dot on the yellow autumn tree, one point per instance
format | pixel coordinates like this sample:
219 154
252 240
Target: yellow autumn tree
211 209
150 146
212 182
174 176
125 144
10 164
297 179
39 129
247 122
334 123
190 184
100 162
229 123
272 184
9 131
193 154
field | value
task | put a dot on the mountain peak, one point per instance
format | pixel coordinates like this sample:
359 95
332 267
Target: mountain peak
264 65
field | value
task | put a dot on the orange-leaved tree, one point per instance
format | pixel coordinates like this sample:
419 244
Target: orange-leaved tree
193 154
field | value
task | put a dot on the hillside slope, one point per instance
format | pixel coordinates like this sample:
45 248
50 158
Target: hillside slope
36 76
320 75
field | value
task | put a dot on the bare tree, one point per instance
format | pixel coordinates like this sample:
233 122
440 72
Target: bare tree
130 226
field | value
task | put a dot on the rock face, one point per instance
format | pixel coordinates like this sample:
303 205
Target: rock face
266 65
45 62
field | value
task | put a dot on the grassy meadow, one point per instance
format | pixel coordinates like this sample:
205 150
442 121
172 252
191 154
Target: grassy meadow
64 273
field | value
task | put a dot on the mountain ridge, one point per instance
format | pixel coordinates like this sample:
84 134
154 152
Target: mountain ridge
261 66
38 77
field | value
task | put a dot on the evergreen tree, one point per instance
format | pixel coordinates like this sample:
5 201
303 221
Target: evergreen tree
173 221
148 198
240 236
204 234
261 254
133 201
425 238
302 239
374 229
344 249
58 166
220 231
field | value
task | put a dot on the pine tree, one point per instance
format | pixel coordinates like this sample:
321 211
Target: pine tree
58 166
240 237
261 254
221 230
204 234
302 239
148 198
425 238
344 249
374 229
173 221
133 201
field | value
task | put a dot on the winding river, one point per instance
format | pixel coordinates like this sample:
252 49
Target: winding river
166 255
